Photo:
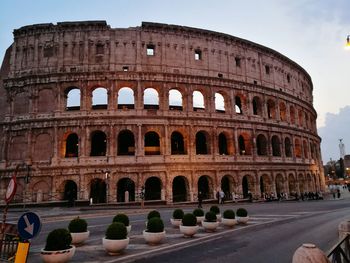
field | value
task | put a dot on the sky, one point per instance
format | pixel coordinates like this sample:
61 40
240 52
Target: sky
310 32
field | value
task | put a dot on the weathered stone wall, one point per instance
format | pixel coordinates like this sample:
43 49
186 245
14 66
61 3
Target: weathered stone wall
47 60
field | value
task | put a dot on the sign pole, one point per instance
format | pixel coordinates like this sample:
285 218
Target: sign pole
10 193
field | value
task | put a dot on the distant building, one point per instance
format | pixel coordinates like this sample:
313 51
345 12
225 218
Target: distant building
65 119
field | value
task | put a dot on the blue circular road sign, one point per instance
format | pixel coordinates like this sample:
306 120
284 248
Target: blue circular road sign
29 225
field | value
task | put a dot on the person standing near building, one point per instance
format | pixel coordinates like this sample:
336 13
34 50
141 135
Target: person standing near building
200 199
222 197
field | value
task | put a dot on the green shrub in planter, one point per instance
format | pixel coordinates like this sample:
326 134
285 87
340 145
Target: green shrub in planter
178 214
215 209
241 212
77 225
116 231
153 213
189 220
121 218
155 225
198 212
210 216
58 239
229 214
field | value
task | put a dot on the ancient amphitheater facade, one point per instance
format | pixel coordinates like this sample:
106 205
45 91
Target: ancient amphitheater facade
99 112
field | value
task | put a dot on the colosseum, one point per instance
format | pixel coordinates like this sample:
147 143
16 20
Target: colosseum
98 113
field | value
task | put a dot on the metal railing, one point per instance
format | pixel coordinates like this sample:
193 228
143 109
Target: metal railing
8 249
340 253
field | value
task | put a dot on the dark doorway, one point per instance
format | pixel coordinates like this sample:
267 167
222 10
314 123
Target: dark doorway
98 191
179 189
225 186
72 144
153 189
262 187
70 190
125 184
203 186
126 143
201 143
98 143
177 143
152 143
245 187
222 144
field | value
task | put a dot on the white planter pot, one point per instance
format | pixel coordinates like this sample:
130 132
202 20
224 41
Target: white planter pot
218 217
200 219
210 226
228 222
175 222
79 238
242 220
189 231
153 238
59 256
114 247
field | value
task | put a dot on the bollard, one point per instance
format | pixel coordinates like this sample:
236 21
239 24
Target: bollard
309 253
343 229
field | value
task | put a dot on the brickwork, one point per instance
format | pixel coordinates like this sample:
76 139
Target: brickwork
261 137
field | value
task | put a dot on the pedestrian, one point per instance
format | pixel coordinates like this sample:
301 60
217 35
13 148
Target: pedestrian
200 199
338 193
222 196
234 197
333 193
218 196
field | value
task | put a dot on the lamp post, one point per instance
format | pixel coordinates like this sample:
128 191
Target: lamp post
107 172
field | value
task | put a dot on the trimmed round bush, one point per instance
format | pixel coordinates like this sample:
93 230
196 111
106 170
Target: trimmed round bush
215 209
178 214
189 220
121 218
116 231
210 216
229 214
155 225
153 213
241 212
198 212
58 239
77 225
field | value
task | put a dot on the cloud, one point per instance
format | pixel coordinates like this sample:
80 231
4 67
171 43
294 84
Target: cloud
336 127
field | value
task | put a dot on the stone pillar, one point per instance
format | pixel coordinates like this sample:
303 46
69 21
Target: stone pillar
139 149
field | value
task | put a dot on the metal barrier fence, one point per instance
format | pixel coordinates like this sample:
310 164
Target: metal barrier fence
340 253
8 248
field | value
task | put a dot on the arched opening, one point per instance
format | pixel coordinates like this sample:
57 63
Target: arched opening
245 186
288 147
125 186
283 111
198 101
238 105
279 184
152 143
150 99
73 98
227 186
292 185
262 186
99 98
271 109
306 150
219 103
261 145
292 114
180 189
204 187
126 98
301 182
153 187
297 148
201 143
72 145
306 120
98 191
257 109
98 143
241 145
300 117
177 143
175 100
126 143
222 144
70 190
276 146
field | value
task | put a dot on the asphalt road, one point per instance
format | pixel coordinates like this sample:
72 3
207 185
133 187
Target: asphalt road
274 232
